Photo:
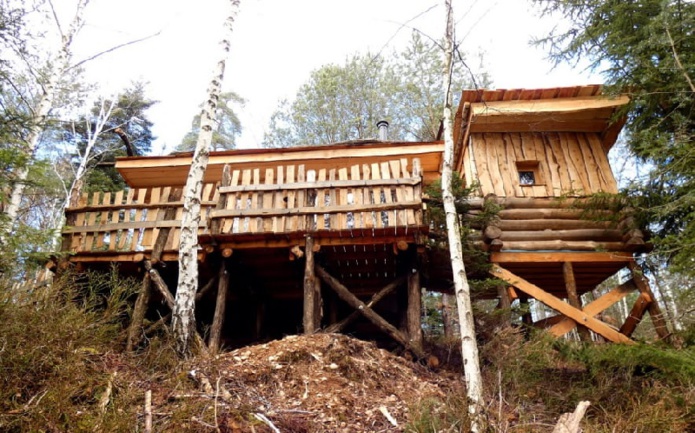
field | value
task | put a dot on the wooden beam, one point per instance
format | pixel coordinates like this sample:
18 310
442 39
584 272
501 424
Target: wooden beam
369 314
560 256
310 322
414 308
220 308
653 307
159 284
636 314
312 210
573 298
595 307
378 296
139 310
321 185
557 304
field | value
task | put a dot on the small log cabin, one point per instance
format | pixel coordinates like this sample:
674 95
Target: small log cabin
336 237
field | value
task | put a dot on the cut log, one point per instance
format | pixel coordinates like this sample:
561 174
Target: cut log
569 422
564 245
220 308
492 232
596 235
551 224
369 314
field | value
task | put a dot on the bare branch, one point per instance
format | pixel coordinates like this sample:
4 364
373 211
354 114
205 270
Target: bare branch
112 49
678 61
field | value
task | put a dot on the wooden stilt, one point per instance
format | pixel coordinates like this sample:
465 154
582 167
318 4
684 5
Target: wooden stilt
654 310
557 304
573 297
636 314
139 311
367 312
159 284
381 294
310 322
414 309
220 307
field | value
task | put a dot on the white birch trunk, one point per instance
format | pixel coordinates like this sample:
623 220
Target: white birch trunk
469 346
183 315
41 111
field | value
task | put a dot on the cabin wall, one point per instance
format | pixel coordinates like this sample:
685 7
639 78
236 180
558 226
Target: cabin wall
562 163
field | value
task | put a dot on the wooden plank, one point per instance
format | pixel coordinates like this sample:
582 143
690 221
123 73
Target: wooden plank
606 177
255 224
368 196
557 304
291 221
545 189
481 164
636 314
323 195
575 165
246 202
405 180
388 217
332 202
589 162
417 191
231 225
280 202
377 194
301 197
508 180
357 197
104 218
573 298
269 224
400 215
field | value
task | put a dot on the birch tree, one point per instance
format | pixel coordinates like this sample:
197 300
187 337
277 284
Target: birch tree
469 346
56 70
183 315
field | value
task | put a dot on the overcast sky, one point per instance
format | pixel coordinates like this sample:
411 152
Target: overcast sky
277 43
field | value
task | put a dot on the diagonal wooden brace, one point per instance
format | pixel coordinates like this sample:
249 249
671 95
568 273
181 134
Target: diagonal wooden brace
367 312
595 307
558 304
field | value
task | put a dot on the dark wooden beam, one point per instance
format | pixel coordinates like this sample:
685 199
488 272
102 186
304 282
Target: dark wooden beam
220 308
369 314
573 298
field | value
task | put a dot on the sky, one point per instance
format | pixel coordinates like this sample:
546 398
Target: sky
277 43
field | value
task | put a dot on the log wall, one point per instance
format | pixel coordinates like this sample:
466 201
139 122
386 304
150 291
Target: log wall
569 164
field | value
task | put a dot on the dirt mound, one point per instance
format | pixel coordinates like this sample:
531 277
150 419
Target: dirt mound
319 383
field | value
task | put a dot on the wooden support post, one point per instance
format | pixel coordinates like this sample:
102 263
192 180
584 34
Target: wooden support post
636 314
139 311
220 308
312 320
367 312
573 297
654 310
557 304
159 284
414 309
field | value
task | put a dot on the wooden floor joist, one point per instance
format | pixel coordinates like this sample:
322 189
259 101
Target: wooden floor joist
558 304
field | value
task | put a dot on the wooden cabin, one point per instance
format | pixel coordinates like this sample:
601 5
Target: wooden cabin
310 238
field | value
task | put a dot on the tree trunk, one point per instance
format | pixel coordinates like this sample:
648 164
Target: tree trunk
183 314
40 113
469 346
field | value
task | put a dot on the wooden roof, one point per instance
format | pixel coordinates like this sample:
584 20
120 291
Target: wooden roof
171 170
560 109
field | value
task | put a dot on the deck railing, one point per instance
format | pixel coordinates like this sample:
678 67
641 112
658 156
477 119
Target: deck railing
129 221
287 199
279 200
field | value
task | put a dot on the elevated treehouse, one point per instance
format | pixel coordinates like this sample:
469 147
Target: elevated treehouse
296 239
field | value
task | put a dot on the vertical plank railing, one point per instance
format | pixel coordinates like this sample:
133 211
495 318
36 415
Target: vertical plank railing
127 221
288 199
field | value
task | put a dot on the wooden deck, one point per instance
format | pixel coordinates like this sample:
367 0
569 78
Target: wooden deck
378 203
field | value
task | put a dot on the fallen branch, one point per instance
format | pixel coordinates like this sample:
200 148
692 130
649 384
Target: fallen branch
262 418
148 411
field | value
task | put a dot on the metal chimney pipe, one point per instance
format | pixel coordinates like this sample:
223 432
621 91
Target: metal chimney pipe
383 130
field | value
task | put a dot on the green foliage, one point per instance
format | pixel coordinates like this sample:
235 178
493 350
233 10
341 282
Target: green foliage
54 359
434 416
645 48
344 102
227 125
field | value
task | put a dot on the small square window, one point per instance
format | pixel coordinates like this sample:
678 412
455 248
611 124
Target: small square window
527 178
529 173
